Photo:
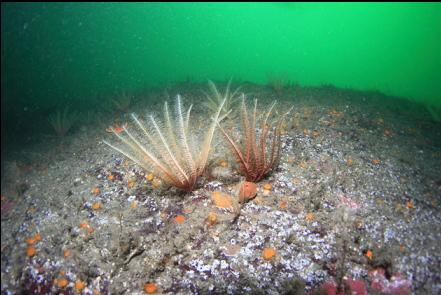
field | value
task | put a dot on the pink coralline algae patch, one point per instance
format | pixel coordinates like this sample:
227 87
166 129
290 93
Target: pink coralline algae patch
6 206
395 286
351 287
378 284
349 202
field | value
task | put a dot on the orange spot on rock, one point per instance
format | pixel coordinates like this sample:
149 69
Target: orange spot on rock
61 283
179 219
79 285
31 251
349 162
117 128
149 177
150 288
222 200
96 206
37 237
30 241
369 254
211 218
268 253
84 225
283 205
110 177
376 161
66 253
223 163
310 217
267 186
409 204
131 183
96 190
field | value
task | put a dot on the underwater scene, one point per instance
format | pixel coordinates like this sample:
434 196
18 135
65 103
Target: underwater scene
221 148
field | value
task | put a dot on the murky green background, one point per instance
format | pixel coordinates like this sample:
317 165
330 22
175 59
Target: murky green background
74 51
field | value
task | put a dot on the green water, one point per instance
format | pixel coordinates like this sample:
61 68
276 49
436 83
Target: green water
52 53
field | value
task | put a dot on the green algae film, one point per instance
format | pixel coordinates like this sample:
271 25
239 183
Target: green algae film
78 53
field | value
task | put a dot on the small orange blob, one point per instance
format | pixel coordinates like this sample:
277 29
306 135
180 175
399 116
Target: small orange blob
369 254
96 190
31 251
63 282
110 177
117 128
66 253
267 186
222 200
409 204
349 162
375 161
84 225
211 219
30 241
223 163
37 237
149 177
96 206
283 205
268 253
131 183
150 288
79 285
134 204
310 217
179 219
